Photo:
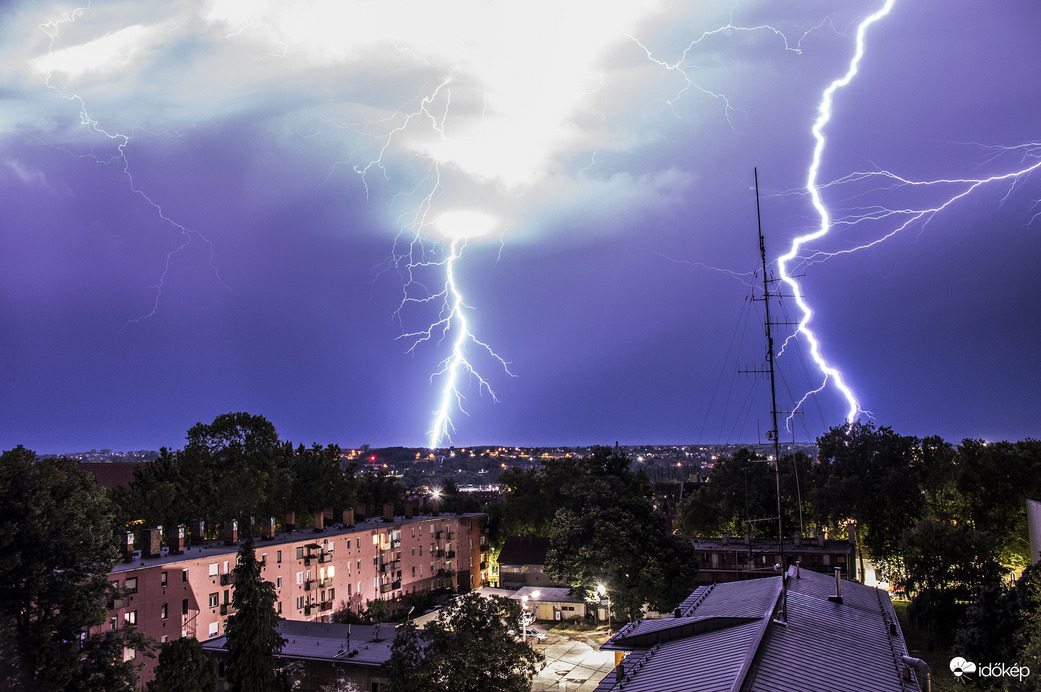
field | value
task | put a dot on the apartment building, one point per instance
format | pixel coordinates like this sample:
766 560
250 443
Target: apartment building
186 591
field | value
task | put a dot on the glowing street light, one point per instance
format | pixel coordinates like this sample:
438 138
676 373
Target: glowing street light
602 590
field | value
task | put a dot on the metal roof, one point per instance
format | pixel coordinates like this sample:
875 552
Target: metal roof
729 637
321 641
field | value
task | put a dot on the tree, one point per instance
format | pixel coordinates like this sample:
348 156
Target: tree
104 665
56 551
869 474
253 640
945 566
184 667
467 648
608 531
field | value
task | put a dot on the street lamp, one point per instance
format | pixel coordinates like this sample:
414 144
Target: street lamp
602 590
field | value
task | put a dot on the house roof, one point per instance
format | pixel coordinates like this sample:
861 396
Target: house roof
329 642
524 550
546 594
731 637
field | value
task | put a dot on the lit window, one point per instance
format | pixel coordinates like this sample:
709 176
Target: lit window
130 617
162 611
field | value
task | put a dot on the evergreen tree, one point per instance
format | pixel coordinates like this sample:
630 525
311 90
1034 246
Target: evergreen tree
184 667
253 641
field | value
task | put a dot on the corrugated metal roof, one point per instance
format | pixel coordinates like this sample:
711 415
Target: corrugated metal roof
727 638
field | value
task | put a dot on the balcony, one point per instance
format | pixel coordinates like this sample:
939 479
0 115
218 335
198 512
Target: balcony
439 553
117 603
484 564
439 535
451 535
326 557
327 605
384 588
310 585
227 609
390 566
325 583
227 579
396 543
310 610
450 554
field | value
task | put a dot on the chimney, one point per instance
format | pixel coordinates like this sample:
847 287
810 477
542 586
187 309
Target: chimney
837 598
851 532
748 538
126 546
619 671
348 517
409 509
359 511
798 570
267 529
388 511
176 540
328 511
726 538
290 521
820 539
231 532
198 531
319 521
797 538
151 542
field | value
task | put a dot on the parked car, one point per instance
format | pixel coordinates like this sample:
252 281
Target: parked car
531 632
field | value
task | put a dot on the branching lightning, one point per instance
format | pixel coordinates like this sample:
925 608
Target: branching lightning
824 112
122 141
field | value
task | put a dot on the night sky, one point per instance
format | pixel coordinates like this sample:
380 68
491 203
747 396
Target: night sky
248 206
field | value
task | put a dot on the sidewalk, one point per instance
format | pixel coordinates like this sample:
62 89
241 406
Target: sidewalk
572 666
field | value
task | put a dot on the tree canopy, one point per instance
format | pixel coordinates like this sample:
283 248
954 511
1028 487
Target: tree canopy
56 551
468 647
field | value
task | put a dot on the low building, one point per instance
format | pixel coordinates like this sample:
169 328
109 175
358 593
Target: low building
522 562
551 603
810 632
177 591
327 656
727 559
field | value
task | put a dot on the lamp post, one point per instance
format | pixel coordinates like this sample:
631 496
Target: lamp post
602 590
524 625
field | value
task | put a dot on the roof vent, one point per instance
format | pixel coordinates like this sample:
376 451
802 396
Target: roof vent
837 598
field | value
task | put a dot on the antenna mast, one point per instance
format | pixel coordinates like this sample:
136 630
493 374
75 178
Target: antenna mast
773 433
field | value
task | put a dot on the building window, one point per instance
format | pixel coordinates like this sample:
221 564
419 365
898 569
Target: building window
184 607
413 570
225 567
113 623
299 602
184 575
214 628
299 577
278 557
163 639
332 594
214 600
279 607
128 654
162 579
278 583
300 553
213 569
359 565
263 560
131 584
162 611
130 617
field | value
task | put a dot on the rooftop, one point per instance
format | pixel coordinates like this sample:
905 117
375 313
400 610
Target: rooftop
327 641
731 637
218 548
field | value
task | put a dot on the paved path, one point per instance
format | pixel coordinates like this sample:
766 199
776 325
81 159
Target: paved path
571 666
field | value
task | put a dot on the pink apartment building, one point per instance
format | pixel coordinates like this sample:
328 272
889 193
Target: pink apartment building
180 591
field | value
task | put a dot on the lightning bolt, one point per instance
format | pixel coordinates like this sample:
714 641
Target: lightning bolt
830 372
122 141
415 255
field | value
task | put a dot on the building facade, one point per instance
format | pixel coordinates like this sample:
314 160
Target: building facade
177 591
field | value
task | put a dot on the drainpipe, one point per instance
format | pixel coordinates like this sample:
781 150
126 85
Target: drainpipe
922 667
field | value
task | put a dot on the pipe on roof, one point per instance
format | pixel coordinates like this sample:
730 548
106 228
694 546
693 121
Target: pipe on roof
923 668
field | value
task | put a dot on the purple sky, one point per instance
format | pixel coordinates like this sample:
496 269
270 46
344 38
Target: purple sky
207 208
